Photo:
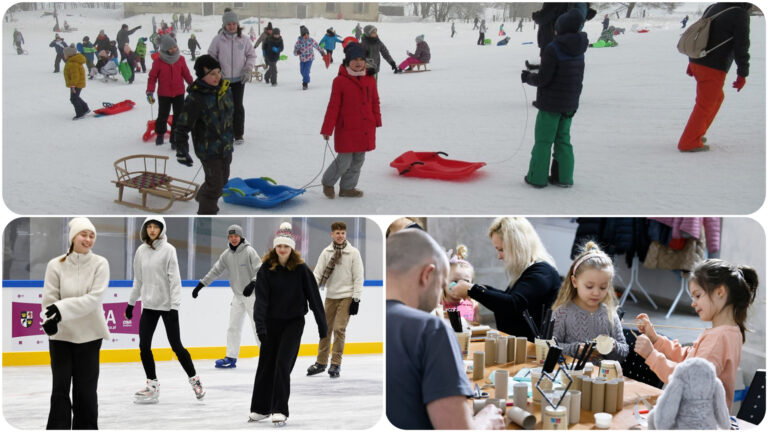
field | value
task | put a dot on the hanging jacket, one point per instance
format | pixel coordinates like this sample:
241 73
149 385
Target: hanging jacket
208 116
353 113
375 50
170 78
693 226
269 53
242 265
303 49
735 24
156 277
234 53
74 72
77 286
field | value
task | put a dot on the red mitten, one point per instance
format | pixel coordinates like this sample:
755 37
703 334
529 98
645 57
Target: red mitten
739 83
689 71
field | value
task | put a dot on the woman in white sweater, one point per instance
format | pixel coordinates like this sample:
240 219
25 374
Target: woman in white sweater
157 281
72 292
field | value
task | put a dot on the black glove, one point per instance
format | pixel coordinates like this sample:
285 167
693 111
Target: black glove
394 66
249 288
129 312
524 75
197 289
183 157
354 307
51 326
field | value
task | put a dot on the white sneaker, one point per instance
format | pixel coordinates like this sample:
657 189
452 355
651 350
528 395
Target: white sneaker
197 387
254 417
149 395
278 419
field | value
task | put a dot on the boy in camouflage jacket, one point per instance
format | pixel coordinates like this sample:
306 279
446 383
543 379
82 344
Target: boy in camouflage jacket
208 116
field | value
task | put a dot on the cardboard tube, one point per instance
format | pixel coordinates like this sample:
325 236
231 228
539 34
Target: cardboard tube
620 395
501 380
521 349
521 417
586 394
501 403
511 349
490 348
574 409
463 339
535 394
577 382
501 350
478 404
478 365
520 395
598 396
554 419
611 394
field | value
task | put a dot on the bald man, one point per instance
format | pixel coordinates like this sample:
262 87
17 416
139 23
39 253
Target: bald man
427 387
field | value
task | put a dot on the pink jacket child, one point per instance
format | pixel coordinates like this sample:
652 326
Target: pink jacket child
170 71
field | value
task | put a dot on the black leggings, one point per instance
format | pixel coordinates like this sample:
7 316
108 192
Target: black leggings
164 108
238 88
272 386
147 326
78 365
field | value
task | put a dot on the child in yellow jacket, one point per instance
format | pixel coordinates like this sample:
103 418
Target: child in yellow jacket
74 78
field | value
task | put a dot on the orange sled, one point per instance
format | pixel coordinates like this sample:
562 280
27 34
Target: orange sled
150 132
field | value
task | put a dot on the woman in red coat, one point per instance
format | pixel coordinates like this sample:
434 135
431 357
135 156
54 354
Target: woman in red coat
170 70
354 112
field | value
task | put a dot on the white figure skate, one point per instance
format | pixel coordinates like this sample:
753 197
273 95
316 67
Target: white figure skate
197 387
278 420
149 395
254 417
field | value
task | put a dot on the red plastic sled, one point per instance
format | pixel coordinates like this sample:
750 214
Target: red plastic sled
433 165
110 109
150 132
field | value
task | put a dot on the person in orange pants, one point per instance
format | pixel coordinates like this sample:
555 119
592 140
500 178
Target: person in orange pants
709 97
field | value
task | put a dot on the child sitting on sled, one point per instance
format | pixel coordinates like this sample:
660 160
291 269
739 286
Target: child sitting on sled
606 38
422 55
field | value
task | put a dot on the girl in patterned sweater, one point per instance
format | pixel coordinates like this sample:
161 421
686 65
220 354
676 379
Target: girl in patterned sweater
586 305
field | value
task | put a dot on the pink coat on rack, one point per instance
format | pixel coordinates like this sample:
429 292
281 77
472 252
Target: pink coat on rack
692 227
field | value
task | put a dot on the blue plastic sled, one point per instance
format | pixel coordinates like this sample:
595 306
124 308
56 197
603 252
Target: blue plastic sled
257 192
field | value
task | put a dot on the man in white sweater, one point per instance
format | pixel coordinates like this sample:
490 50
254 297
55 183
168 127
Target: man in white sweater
242 262
339 269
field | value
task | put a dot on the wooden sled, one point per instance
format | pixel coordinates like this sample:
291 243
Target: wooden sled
416 67
257 75
147 174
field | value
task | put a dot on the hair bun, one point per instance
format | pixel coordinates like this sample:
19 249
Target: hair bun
461 252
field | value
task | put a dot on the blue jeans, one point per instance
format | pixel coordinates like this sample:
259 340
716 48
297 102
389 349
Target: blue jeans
305 68
80 106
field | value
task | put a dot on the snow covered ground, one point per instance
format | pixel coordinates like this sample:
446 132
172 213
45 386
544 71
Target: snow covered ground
635 103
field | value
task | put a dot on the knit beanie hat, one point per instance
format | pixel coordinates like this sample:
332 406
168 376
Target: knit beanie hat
276 31
204 64
166 43
269 26
86 39
70 51
235 229
228 17
284 236
568 22
352 51
78 224
370 28
420 38
303 30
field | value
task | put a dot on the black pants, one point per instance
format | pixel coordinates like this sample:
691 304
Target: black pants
192 52
147 326
271 75
330 54
164 104
143 65
272 385
59 58
216 176
238 88
80 106
78 365
481 39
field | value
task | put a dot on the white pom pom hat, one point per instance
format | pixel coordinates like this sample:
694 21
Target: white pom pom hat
284 236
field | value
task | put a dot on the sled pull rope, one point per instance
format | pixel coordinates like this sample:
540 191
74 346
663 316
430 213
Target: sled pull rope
322 166
525 129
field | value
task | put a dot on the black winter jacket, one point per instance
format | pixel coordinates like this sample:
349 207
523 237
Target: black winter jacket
192 44
283 294
207 116
537 286
735 24
269 53
545 18
559 81
122 37
375 50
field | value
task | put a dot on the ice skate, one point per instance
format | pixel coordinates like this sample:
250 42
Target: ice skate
278 420
226 363
334 371
149 395
254 417
315 369
197 387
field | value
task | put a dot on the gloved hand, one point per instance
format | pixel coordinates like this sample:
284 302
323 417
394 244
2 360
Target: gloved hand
249 288
394 66
275 49
183 157
151 98
51 325
524 75
689 71
739 83
197 289
354 307
246 75
129 312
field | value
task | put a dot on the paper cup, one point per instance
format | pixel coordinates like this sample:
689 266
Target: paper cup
609 369
541 350
554 419
521 417
520 395
574 408
603 420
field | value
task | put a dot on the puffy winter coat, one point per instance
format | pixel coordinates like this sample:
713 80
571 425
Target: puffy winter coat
102 43
156 276
74 72
208 115
375 50
735 24
87 50
192 44
353 112
170 77
242 264
422 52
269 52
303 49
141 48
329 42
233 53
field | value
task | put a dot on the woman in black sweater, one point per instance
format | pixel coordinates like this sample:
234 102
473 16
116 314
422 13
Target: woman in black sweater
535 280
284 286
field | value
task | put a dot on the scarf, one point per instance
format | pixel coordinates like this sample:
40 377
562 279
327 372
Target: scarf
336 259
356 74
169 58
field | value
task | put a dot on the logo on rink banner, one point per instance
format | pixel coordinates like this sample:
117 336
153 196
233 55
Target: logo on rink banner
26 318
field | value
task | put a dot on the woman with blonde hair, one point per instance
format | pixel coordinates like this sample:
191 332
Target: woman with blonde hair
534 281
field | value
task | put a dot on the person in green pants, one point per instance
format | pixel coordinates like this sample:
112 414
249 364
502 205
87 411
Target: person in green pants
558 88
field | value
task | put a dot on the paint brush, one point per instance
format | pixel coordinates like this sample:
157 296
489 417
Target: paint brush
529 321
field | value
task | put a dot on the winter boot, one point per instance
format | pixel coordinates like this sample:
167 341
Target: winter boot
254 417
304 86
197 387
315 369
329 191
278 420
703 148
554 176
525 178
149 395
350 193
159 140
239 141
226 363
334 371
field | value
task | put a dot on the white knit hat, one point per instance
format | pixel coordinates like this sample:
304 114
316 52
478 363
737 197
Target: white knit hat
284 236
79 224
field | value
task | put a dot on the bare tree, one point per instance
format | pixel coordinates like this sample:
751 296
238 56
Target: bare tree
441 11
630 6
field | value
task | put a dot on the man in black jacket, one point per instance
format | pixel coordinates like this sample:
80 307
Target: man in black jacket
122 38
731 29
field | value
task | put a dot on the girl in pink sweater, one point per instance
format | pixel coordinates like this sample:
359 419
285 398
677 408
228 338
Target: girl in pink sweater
721 293
461 269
